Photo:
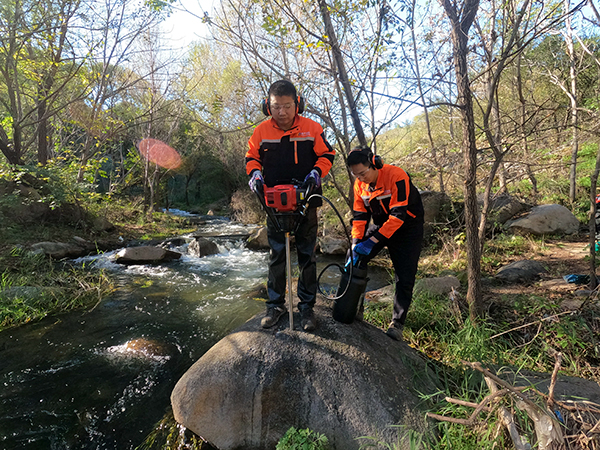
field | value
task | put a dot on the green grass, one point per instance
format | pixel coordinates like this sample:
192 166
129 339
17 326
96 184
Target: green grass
302 439
442 331
32 287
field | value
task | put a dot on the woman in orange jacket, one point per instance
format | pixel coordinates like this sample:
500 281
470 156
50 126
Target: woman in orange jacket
385 196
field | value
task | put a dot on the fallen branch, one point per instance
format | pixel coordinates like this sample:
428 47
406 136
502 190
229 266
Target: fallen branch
507 419
479 407
579 425
467 422
557 364
533 323
465 403
547 428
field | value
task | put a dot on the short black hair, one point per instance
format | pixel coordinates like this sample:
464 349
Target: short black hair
359 155
283 87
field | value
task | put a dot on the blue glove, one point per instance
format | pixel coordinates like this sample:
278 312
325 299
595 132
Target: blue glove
365 247
313 178
256 181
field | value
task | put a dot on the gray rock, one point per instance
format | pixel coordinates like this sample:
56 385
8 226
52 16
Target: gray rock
202 247
145 255
566 388
330 245
437 286
103 224
382 295
521 271
60 250
258 240
503 208
344 381
435 205
546 219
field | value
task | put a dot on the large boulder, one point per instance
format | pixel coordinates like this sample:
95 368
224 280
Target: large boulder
435 205
345 381
145 255
102 224
26 202
546 219
503 208
200 247
521 271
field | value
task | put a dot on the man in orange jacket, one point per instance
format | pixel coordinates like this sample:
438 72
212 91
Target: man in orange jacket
283 150
385 195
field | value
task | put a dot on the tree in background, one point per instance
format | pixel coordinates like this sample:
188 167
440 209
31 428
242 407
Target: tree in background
461 19
36 64
113 37
223 105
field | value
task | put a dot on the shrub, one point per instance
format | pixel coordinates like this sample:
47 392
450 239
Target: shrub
305 439
246 208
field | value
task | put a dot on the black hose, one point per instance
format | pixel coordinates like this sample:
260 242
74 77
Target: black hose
277 225
335 264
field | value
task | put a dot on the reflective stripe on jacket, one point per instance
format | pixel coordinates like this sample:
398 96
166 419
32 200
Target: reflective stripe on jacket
283 156
392 202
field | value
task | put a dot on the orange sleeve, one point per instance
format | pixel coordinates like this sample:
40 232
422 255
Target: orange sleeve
398 182
359 213
253 161
324 151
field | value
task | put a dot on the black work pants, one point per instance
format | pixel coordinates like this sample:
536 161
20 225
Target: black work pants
306 242
405 248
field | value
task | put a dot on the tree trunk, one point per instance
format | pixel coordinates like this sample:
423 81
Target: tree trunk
42 130
343 75
522 122
460 29
592 222
12 156
573 99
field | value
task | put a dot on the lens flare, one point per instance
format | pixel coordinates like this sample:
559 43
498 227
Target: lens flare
159 153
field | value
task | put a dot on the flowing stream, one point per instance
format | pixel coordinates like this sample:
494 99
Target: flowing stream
101 379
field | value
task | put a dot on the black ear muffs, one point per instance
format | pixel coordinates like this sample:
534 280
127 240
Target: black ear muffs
266 108
376 161
300 105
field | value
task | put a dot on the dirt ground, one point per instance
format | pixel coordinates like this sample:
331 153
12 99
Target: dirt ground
569 255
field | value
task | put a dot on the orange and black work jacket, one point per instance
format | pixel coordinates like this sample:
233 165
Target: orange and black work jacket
392 203
286 157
